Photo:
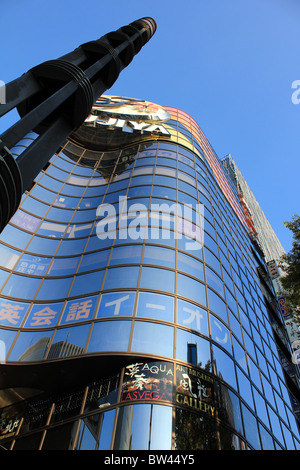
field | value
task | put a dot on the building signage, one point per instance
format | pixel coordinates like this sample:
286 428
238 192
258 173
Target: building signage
128 115
128 126
283 307
25 221
79 310
130 108
154 381
12 313
148 381
44 315
194 389
8 426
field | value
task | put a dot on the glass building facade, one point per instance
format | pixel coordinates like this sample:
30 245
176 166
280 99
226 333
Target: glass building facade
135 312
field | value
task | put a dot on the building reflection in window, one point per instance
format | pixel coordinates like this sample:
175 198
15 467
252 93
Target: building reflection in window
144 427
199 352
96 432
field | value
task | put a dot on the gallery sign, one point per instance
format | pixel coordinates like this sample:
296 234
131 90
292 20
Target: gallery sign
194 389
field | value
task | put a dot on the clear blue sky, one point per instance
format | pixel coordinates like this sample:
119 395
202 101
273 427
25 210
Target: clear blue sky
229 64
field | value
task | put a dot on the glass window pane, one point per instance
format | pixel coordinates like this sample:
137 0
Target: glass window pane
212 260
159 255
94 261
22 287
110 336
43 246
152 338
8 257
190 265
275 423
12 312
223 366
117 278
63 266
79 310
157 279
155 306
116 304
220 333
126 254
52 289
214 282
192 316
245 388
106 430
71 246
266 438
217 305
251 430
187 342
44 315
31 346
69 342
161 428
6 340
190 288
15 237
87 283
34 265
203 437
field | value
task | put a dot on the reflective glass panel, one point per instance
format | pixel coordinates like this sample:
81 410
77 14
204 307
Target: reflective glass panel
52 289
155 306
192 316
223 366
85 283
110 336
152 338
121 277
6 340
69 342
116 304
23 287
190 288
251 430
31 346
193 349
157 279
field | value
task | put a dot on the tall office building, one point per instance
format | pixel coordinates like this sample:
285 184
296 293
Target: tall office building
135 311
264 232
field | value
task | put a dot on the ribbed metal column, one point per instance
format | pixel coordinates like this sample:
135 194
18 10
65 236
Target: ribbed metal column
54 98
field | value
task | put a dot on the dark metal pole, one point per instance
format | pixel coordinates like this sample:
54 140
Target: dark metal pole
54 98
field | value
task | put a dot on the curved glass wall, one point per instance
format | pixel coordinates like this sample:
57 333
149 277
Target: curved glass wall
148 258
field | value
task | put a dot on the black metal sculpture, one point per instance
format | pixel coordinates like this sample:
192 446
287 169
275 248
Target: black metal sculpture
54 98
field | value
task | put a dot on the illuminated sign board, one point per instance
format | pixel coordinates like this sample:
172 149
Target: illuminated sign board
154 381
194 389
283 307
128 126
115 121
128 115
121 107
148 381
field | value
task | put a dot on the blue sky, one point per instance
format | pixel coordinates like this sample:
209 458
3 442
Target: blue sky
229 64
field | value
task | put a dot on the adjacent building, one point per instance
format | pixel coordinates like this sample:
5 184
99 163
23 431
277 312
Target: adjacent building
262 229
264 236
136 311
